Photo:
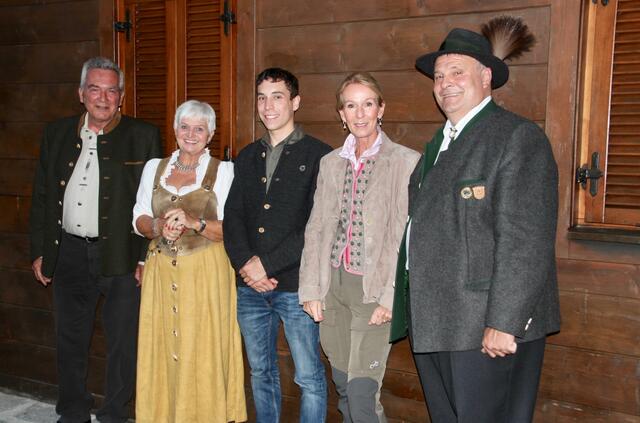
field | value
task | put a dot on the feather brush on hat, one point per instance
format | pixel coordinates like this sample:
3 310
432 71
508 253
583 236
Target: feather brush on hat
509 36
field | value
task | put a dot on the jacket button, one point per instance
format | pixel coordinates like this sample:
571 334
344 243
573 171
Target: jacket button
267 206
56 242
264 179
59 222
261 229
174 198
263 155
78 146
63 183
70 164
59 203
106 178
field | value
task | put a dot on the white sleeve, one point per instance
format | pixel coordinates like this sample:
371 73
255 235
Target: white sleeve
223 185
145 192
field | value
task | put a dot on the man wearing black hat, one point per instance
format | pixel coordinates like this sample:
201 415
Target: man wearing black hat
478 285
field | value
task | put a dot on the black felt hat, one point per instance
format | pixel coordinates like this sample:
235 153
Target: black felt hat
469 43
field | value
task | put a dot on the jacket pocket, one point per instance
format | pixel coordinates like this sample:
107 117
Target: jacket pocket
474 198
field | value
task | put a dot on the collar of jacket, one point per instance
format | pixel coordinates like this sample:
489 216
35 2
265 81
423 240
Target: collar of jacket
110 126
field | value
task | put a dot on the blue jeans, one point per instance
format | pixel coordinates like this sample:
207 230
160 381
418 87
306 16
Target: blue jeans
259 316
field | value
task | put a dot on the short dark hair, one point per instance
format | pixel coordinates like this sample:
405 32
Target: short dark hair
276 75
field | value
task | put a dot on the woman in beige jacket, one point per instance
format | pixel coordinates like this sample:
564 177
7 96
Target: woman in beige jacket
351 245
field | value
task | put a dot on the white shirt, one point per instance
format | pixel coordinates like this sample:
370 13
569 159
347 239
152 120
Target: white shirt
221 187
448 127
81 198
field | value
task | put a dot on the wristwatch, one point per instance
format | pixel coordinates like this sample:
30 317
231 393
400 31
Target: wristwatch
203 224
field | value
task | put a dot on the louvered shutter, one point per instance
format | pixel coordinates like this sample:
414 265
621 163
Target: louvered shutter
177 51
622 196
611 110
145 57
203 58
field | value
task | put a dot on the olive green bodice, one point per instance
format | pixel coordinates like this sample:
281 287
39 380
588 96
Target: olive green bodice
200 203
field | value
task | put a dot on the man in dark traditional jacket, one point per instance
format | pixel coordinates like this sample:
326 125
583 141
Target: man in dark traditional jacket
81 238
264 220
482 290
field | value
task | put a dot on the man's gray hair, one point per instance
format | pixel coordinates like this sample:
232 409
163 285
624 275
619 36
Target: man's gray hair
101 63
197 110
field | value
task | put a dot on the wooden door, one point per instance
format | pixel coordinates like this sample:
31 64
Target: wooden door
177 50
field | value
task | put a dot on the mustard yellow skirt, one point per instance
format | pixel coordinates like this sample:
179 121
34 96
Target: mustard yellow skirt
189 350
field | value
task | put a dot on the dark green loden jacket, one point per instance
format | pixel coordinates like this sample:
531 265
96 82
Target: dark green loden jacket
126 145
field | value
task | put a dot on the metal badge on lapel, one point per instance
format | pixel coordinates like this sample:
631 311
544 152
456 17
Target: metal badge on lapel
466 193
478 192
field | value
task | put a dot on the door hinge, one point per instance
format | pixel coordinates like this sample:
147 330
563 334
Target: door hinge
228 17
592 174
124 26
604 2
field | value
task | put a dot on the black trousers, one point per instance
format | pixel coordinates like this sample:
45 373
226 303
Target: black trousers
471 387
77 285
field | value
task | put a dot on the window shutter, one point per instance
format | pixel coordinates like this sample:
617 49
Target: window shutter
146 65
622 196
177 51
203 58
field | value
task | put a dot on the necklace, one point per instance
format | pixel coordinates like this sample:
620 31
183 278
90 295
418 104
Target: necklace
183 167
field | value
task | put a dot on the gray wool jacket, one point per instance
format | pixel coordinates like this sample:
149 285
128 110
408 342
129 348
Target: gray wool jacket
482 242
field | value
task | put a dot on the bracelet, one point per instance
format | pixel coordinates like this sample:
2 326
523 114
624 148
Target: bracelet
203 224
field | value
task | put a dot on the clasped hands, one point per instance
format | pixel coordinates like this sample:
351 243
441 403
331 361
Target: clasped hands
380 315
255 276
176 221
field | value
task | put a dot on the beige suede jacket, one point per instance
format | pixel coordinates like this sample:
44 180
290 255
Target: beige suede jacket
384 214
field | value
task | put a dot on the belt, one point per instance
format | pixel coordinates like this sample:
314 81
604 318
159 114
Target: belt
87 239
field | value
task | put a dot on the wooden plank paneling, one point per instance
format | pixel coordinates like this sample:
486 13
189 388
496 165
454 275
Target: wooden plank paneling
14 251
46 63
618 280
600 323
28 325
39 363
20 140
16 176
605 381
549 411
43 22
15 213
397 43
604 251
302 12
20 288
38 102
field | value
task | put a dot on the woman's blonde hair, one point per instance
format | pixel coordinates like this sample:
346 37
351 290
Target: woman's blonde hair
363 78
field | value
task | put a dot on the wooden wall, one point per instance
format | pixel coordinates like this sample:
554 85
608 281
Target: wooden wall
43 44
592 368
591 371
